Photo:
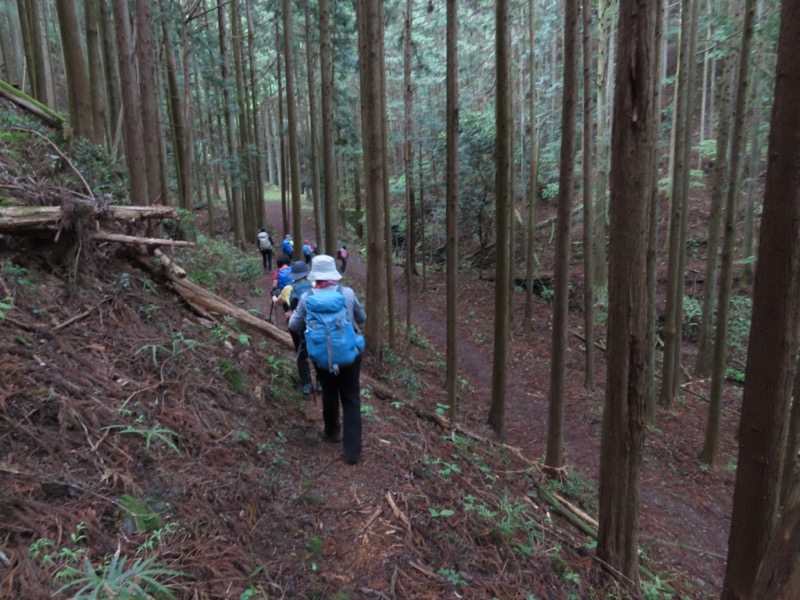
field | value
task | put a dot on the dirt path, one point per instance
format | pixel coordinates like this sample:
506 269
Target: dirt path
685 508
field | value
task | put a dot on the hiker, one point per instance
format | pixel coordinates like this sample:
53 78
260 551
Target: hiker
289 299
342 256
281 278
287 245
330 314
264 243
307 248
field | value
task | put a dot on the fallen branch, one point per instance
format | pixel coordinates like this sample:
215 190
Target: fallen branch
397 512
71 320
104 236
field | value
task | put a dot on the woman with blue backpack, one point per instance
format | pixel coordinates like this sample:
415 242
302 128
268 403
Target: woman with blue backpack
330 315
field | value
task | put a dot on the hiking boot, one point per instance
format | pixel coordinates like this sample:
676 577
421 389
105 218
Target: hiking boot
331 439
306 389
319 387
351 460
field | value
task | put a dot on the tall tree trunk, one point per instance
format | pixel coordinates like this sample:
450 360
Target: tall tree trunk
605 19
652 232
245 129
80 101
533 175
95 62
329 196
148 93
408 157
112 79
291 116
504 194
588 210
175 112
370 26
566 186
260 211
237 214
11 44
711 442
313 117
134 146
773 335
679 198
387 208
705 346
282 143
451 378
632 173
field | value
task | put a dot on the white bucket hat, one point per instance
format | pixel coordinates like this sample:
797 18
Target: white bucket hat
323 268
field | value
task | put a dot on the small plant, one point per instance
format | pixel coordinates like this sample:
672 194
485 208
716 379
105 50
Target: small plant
5 305
441 408
314 545
445 512
148 311
232 375
368 411
118 579
452 576
156 432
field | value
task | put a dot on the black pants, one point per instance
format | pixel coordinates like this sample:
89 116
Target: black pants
344 264
345 388
302 357
266 259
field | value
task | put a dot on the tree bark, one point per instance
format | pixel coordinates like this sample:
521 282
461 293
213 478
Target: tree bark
329 195
774 334
371 69
632 175
533 175
132 123
504 194
588 199
80 102
96 78
711 442
566 187
452 108
291 116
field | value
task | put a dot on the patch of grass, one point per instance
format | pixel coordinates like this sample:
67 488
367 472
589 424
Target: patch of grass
232 375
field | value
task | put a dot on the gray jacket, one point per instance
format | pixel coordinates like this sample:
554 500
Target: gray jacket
355 312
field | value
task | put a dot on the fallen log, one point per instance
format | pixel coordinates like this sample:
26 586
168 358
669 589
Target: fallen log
33 106
18 219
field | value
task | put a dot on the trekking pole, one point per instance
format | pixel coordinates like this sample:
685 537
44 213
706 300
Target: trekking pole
271 310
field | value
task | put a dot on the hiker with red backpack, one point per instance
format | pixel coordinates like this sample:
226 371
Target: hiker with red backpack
330 315
342 256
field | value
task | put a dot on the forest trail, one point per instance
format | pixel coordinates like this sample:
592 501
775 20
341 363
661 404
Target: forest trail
685 507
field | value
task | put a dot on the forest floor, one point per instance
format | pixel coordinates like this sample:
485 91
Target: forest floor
134 429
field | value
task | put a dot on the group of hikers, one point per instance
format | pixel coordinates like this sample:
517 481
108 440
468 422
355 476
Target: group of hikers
324 319
265 245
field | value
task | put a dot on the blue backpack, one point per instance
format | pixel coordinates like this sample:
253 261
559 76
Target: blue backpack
286 247
284 278
331 339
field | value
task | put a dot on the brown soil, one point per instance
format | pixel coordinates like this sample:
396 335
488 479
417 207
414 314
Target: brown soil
263 508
